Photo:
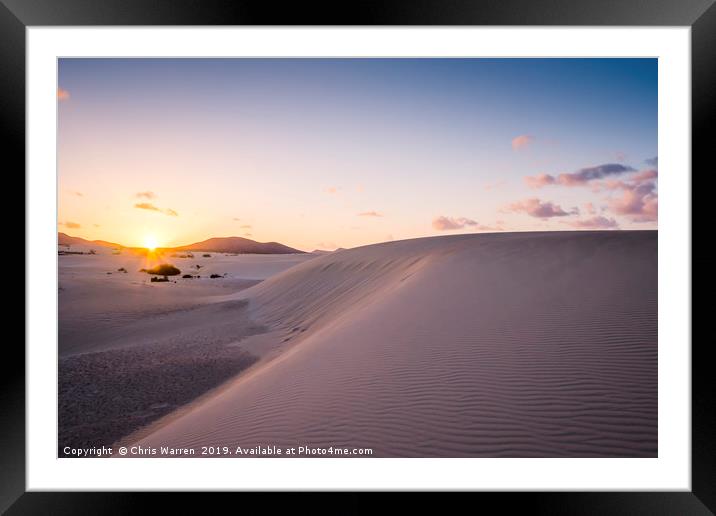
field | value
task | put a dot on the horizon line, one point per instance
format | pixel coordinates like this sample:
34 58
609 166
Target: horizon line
573 230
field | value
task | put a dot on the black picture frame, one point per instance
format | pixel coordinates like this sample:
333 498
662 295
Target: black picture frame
700 15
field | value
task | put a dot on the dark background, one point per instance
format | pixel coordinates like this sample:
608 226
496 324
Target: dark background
15 15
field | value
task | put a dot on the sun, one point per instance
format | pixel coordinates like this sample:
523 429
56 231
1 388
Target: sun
150 242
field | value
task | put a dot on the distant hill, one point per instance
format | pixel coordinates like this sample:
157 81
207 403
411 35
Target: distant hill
65 239
236 245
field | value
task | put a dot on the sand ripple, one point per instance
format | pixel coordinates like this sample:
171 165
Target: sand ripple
513 345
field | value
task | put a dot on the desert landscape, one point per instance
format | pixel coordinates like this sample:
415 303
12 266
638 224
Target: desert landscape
516 345
357 257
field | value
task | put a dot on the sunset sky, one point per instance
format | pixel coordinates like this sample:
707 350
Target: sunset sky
326 153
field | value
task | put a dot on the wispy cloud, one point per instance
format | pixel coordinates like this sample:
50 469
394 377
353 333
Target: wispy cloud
332 190
236 219
584 175
539 180
652 162
370 214
541 209
581 177
146 195
146 206
71 225
443 223
63 94
645 175
596 222
246 226
151 207
522 141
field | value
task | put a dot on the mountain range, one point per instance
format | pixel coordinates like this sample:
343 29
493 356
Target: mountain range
237 245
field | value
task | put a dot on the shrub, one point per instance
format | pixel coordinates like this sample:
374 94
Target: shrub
165 269
206 255
159 280
215 276
187 276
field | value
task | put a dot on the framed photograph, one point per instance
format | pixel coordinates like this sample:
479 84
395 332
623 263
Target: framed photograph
420 249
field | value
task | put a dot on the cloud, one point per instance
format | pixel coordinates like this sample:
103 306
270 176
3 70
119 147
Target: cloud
331 190
541 210
584 175
539 180
236 219
246 226
579 178
652 162
146 195
370 214
63 94
71 225
151 207
96 225
589 208
640 201
522 141
596 222
645 175
146 206
78 194
247 234
639 198
443 223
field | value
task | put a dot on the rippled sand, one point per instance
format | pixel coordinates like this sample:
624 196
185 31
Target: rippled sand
493 345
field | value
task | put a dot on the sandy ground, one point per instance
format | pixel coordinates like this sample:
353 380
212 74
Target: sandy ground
501 345
131 351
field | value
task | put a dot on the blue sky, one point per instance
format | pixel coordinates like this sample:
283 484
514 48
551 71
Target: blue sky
345 152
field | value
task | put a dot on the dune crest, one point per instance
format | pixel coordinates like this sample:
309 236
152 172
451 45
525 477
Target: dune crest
522 344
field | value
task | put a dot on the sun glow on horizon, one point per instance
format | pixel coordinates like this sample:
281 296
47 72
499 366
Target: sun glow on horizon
150 242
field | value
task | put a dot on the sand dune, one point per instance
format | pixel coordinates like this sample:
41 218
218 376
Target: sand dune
522 344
